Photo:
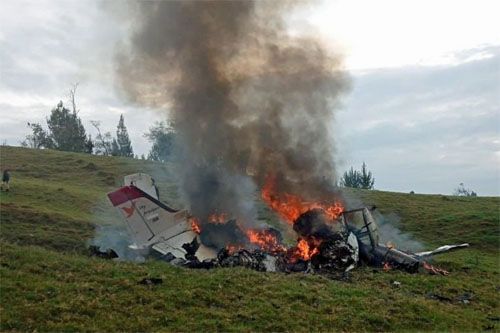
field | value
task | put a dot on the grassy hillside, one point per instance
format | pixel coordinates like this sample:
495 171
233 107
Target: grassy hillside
48 283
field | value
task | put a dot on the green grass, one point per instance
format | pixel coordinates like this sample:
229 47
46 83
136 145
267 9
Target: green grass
48 283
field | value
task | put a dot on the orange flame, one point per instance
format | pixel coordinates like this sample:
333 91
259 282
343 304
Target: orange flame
305 249
231 248
290 206
217 218
265 240
195 225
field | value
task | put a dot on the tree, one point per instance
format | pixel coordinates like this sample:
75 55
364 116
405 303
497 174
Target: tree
461 190
89 145
102 142
351 178
122 143
358 179
162 135
66 130
115 148
39 138
366 179
106 145
72 98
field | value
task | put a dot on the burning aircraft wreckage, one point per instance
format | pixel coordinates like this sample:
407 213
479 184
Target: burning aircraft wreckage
253 107
330 239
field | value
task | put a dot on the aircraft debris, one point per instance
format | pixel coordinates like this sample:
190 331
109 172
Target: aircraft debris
464 298
96 252
396 284
329 241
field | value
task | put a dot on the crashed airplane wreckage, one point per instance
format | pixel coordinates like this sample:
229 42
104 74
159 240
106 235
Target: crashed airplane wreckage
324 245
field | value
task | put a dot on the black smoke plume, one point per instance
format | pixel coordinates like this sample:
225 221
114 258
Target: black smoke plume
248 98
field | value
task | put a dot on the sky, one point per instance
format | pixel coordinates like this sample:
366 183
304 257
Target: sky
423 111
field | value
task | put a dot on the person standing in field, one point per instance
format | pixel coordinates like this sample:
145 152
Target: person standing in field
5 180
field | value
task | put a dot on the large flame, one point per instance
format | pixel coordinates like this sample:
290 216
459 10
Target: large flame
290 206
265 240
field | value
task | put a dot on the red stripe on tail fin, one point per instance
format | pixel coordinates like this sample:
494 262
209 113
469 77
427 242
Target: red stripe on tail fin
124 194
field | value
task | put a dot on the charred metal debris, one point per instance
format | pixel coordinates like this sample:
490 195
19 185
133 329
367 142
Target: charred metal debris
340 247
334 247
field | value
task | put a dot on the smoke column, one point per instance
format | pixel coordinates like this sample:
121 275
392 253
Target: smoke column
248 99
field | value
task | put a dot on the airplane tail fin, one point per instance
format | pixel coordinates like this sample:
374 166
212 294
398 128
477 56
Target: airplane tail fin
147 218
150 222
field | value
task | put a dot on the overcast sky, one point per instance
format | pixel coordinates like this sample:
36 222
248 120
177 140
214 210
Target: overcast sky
423 112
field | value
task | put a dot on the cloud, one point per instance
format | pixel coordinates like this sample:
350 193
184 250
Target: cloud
427 128
422 128
45 47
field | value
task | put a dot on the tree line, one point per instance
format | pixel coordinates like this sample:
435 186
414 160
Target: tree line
66 132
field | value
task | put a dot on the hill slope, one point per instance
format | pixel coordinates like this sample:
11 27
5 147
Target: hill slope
48 283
